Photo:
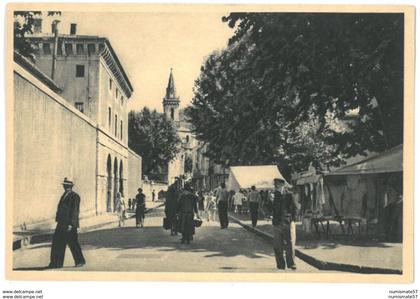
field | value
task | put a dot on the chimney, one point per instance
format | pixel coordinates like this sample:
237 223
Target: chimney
54 57
73 29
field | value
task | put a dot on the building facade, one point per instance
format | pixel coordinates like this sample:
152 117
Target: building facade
95 88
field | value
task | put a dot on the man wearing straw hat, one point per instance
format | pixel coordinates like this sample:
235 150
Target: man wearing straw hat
67 219
284 214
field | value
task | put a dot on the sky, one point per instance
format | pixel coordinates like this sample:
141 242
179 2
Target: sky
148 44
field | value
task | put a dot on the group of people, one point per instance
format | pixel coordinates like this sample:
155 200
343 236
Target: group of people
181 207
138 203
67 219
282 208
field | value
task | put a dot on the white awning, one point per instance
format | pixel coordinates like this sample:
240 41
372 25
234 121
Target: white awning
262 177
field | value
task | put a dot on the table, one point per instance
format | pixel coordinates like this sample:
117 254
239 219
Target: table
319 221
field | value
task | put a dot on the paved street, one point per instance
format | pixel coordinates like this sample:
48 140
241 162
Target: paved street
153 249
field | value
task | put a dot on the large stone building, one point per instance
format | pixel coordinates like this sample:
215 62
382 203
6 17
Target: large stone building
78 129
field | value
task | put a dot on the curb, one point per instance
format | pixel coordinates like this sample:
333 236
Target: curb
319 264
40 238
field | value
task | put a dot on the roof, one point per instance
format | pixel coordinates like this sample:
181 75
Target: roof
170 89
30 67
107 53
262 177
386 162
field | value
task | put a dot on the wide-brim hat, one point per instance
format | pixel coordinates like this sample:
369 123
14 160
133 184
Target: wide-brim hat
67 182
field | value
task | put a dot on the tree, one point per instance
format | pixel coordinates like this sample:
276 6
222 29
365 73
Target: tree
153 137
23 25
276 92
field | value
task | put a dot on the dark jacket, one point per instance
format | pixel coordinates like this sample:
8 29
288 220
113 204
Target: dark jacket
171 202
140 201
187 203
284 208
68 209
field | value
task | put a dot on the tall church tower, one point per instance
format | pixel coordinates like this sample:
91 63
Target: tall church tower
171 101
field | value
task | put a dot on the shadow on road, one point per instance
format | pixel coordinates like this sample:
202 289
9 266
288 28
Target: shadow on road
235 241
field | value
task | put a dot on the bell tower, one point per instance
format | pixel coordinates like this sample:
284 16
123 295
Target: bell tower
171 101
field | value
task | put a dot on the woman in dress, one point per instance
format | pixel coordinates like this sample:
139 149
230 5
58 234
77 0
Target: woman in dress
120 209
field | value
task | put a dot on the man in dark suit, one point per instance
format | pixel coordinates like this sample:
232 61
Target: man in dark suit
67 219
284 214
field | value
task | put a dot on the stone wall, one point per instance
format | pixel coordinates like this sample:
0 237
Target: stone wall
134 173
52 140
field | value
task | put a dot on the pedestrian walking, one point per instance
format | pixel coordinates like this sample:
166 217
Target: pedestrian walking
222 199
284 230
201 199
140 208
254 199
67 218
171 206
211 207
120 209
238 200
187 208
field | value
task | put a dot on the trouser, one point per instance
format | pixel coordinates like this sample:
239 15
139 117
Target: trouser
211 214
223 214
253 206
284 244
61 238
139 217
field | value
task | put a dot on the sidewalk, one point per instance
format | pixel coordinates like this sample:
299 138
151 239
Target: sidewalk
43 232
347 253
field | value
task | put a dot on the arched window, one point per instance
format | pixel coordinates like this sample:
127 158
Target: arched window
187 139
109 118
121 179
109 184
121 130
172 113
116 125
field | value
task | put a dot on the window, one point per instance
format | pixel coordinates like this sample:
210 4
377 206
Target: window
79 49
80 71
116 125
109 118
91 49
122 101
60 48
101 47
79 106
187 139
116 93
110 84
73 28
172 113
69 49
121 130
46 48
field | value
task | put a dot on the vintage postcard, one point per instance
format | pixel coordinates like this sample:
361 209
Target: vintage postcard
210 142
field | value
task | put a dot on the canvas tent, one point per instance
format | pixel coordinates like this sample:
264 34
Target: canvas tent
365 189
262 177
387 162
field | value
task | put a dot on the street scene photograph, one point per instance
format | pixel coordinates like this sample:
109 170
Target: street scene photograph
207 141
